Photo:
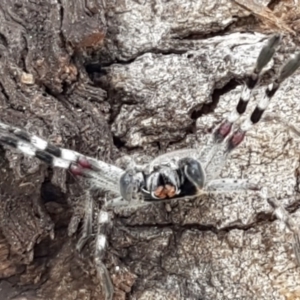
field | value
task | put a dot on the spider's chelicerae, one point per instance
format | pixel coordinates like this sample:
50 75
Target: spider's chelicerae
176 175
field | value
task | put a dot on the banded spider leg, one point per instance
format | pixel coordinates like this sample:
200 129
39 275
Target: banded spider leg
105 176
227 140
99 174
265 55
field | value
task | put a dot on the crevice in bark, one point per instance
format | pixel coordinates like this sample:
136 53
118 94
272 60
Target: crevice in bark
118 142
200 35
273 3
61 35
3 40
3 91
209 108
51 192
260 218
244 24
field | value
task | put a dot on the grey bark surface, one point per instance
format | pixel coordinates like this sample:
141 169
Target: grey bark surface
170 71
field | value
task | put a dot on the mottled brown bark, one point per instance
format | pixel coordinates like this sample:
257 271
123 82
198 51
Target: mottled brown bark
142 77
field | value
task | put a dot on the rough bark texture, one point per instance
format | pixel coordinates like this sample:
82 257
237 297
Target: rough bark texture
144 77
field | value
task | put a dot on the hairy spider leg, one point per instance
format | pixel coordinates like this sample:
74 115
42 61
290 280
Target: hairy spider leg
284 216
100 175
87 226
103 229
227 185
223 130
234 139
103 175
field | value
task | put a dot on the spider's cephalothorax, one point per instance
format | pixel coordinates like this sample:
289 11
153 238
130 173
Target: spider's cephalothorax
176 179
179 174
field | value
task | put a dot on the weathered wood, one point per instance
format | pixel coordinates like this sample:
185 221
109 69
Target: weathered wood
168 75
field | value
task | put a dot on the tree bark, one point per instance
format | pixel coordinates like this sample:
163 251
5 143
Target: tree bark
116 78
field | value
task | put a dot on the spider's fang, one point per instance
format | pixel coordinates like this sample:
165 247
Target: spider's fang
163 192
170 190
160 192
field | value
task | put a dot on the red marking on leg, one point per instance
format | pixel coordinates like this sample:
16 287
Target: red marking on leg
237 138
84 163
224 129
76 170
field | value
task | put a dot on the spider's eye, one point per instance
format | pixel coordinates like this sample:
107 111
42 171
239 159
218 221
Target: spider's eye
156 168
128 185
194 172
